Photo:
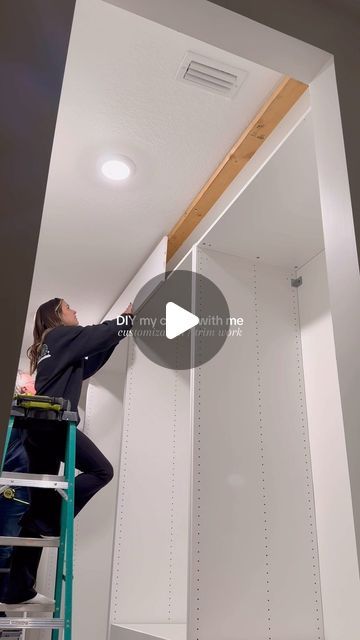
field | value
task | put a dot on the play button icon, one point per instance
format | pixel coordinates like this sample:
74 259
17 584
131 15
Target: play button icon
178 320
181 319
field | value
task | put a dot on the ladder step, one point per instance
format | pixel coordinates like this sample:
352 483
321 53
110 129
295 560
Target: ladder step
16 541
33 480
25 608
34 623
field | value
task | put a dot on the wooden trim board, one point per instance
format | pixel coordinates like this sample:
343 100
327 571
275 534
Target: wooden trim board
275 108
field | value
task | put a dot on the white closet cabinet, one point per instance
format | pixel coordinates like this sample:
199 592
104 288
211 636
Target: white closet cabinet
234 516
149 584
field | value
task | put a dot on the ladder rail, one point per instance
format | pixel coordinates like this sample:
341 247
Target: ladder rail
65 485
34 623
17 541
69 526
65 553
44 481
7 440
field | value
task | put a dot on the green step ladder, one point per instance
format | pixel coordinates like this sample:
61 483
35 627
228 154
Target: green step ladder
30 409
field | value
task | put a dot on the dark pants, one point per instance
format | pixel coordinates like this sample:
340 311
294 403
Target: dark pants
11 510
45 449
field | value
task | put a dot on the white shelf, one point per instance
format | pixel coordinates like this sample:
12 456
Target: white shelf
131 631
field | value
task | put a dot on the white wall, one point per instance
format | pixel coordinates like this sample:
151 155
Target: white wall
342 264
334 518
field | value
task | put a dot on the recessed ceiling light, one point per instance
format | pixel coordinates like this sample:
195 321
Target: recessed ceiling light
118 169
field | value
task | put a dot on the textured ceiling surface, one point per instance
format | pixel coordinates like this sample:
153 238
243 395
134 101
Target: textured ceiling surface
120 95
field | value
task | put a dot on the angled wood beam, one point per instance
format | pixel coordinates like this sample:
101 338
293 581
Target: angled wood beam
275 108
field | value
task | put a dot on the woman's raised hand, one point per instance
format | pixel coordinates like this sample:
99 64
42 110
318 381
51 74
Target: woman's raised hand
129 308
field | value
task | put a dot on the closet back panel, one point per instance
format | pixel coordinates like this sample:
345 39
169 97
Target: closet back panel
254 564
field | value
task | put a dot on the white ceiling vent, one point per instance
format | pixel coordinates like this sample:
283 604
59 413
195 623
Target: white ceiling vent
212 75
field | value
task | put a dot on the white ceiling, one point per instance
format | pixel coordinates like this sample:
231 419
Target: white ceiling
278 216
120 94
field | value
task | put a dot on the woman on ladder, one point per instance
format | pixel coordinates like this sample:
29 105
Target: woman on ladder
63 355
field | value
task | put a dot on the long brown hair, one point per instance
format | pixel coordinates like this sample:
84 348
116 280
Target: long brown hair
47 317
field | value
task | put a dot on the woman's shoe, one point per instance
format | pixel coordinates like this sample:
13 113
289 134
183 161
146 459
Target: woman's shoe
38 600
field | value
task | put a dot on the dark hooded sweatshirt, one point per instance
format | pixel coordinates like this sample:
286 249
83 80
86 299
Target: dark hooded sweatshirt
70 354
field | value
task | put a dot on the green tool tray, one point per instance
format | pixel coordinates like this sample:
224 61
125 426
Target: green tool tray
42 408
